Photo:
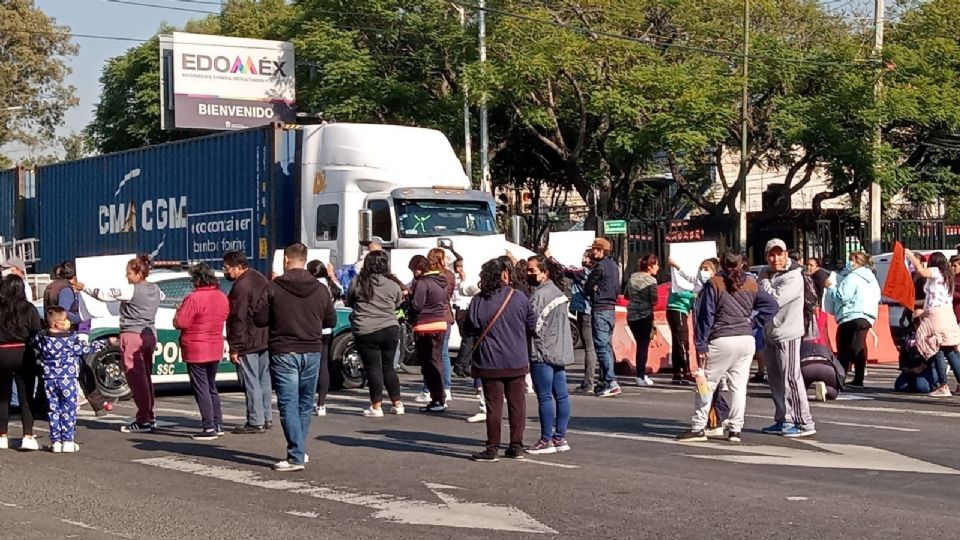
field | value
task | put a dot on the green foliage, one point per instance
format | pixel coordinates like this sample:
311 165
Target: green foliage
33 56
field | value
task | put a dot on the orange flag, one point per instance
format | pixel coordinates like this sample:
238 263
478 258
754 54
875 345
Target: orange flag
899 284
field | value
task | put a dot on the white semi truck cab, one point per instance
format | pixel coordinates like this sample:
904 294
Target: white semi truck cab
404 186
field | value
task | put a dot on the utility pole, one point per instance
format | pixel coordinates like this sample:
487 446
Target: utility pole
467 142
484 132
744 158
876 194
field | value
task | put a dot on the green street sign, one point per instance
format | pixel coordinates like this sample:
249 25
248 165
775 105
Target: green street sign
618 226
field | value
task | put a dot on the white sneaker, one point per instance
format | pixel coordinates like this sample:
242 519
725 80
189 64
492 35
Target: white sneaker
370 412
644 381
447 396
320 411
398 410
286 466
70 447
29 444
4 442
424 397
477 418
57 448
715 433
820 388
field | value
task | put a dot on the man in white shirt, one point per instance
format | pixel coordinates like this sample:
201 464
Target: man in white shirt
13 265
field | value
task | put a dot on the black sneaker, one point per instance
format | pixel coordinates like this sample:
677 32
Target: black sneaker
137 427
205 436
434 407
247 429
487 456
268 425
692 436
855 384
759 378
733 436
582 389
514 453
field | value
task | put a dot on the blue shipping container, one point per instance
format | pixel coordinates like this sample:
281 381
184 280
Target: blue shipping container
8 203
187 201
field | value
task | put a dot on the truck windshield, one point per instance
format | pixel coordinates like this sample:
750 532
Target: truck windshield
427 218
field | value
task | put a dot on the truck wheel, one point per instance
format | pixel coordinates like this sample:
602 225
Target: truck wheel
346 369
575 332
107 366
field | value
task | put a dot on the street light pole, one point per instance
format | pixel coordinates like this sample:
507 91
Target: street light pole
742 225
484 129
467 142
876 194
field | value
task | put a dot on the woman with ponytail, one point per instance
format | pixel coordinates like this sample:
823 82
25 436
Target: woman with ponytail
139 301
725 343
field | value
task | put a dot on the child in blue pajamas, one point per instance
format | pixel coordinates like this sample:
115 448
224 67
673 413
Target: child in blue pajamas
60 351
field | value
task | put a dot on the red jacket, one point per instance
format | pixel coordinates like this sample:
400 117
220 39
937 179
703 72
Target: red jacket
200 320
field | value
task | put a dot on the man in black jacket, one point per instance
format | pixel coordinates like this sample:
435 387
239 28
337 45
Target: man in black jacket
296 309
601 290
248 343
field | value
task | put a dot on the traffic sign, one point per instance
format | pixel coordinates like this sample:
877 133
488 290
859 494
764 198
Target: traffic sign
618 226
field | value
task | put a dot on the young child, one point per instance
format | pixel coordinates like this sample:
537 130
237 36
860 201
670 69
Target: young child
60 351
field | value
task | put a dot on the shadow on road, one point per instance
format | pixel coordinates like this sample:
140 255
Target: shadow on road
416 442
209 450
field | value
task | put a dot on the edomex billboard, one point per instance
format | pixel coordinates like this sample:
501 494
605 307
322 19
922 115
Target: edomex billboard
216 82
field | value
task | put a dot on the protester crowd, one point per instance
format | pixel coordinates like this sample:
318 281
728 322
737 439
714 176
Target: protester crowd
516 338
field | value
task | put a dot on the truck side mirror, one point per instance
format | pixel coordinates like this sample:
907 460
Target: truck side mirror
366 226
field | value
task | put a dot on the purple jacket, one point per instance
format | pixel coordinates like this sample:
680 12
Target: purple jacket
721 313
505 351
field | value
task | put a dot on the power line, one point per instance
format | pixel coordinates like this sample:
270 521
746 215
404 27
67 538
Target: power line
158 6
653 40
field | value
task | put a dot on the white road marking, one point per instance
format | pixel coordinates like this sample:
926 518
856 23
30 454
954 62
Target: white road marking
549 463
302 514
453 512
830 456
849 424
939 414
797 499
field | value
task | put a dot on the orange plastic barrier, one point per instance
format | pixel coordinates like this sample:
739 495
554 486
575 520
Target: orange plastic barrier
880 350
625 347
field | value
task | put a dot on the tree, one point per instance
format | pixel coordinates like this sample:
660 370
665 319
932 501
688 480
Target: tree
33 56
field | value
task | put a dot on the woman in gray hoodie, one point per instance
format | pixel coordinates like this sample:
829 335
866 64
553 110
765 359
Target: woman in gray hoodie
643 296
375 297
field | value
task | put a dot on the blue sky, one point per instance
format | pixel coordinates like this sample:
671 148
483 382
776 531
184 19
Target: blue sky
98 17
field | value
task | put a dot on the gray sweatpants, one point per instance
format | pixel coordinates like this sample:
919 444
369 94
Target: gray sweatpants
786 383
727 358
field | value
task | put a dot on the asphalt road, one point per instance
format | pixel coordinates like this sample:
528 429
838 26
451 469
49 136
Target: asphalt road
883 466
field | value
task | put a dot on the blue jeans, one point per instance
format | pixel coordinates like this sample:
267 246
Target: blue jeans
550 382
944 355
603 323
295 381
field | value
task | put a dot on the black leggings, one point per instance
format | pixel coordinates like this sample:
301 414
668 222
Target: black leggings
12 372
323 377
680 335
852 347
641 330
376 351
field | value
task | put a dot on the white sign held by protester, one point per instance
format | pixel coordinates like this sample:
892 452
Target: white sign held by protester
106 272
688 256
567 247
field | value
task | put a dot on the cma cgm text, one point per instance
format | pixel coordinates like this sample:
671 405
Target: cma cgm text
152 215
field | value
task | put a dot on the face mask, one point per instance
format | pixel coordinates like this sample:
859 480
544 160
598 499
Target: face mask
705 276
533 281
228 277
